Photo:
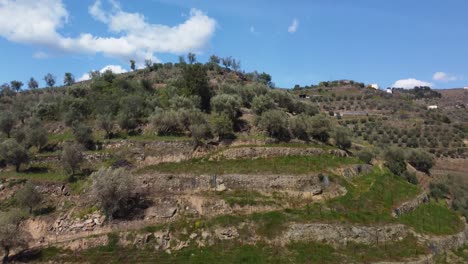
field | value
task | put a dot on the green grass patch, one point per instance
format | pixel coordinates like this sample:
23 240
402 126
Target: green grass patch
244 198
433 218
41 174
57 138
297 165
236 252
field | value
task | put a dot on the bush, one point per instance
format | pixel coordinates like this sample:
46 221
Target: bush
184 103
439 190
112 191
421 160
411 177
13 153
395 161
342 139
28 197
275 123
36 135
83 134
7 122
365 156
222 126
301 126
72 157
226 104
167 123
200 133
262 104
321 127
11 234
106 123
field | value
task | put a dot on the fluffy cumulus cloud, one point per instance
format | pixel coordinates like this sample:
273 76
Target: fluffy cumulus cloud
130 34
410 83
294 26
114 68
444 77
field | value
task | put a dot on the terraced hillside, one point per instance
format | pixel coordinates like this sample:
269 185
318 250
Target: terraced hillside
198 163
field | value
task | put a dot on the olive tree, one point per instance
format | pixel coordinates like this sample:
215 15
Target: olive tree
421 160
32 84
342 139
7 122
321 128
72 157
167 122
222 126
13 153
132 65
36 134
106 123
112 191
275 123
28 197
68 79
262 104
395 161
226 104
16 85
11 235
49 80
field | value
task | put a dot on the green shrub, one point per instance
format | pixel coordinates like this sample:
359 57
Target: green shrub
395 161
342 139
262 104
222 126
421 160
321 128
166 123
226 104
275 123
365 156
301 126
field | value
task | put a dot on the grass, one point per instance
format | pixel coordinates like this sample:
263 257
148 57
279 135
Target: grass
244 198
297 165
37 174
235 252
433 218
152 137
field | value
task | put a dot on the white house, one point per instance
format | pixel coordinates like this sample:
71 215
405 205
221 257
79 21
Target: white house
466 87
389 91
375 86
432 107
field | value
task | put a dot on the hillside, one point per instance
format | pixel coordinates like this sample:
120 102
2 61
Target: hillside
200 163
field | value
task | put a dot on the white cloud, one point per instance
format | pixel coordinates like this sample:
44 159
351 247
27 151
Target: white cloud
410 83
444 77
293 27
132 36
40 55
114 68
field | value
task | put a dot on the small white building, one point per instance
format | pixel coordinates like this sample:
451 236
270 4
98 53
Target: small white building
466 87
389 91
431 107
375 86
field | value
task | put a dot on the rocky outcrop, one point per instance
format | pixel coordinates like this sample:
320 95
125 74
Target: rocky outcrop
439 244
410 205
264 152
340 235
354 170
64 224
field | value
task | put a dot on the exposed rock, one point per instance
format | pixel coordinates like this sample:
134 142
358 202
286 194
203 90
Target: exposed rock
221 188
354 170
2 187
340 235
338 153
410 205
227 233
193 235
265 152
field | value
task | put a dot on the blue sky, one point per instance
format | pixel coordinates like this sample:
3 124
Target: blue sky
398 42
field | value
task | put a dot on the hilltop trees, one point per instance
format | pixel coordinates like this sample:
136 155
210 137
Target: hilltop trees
13 153
32 84
49 80
195 82
16 85
68 79
132 65
191 58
